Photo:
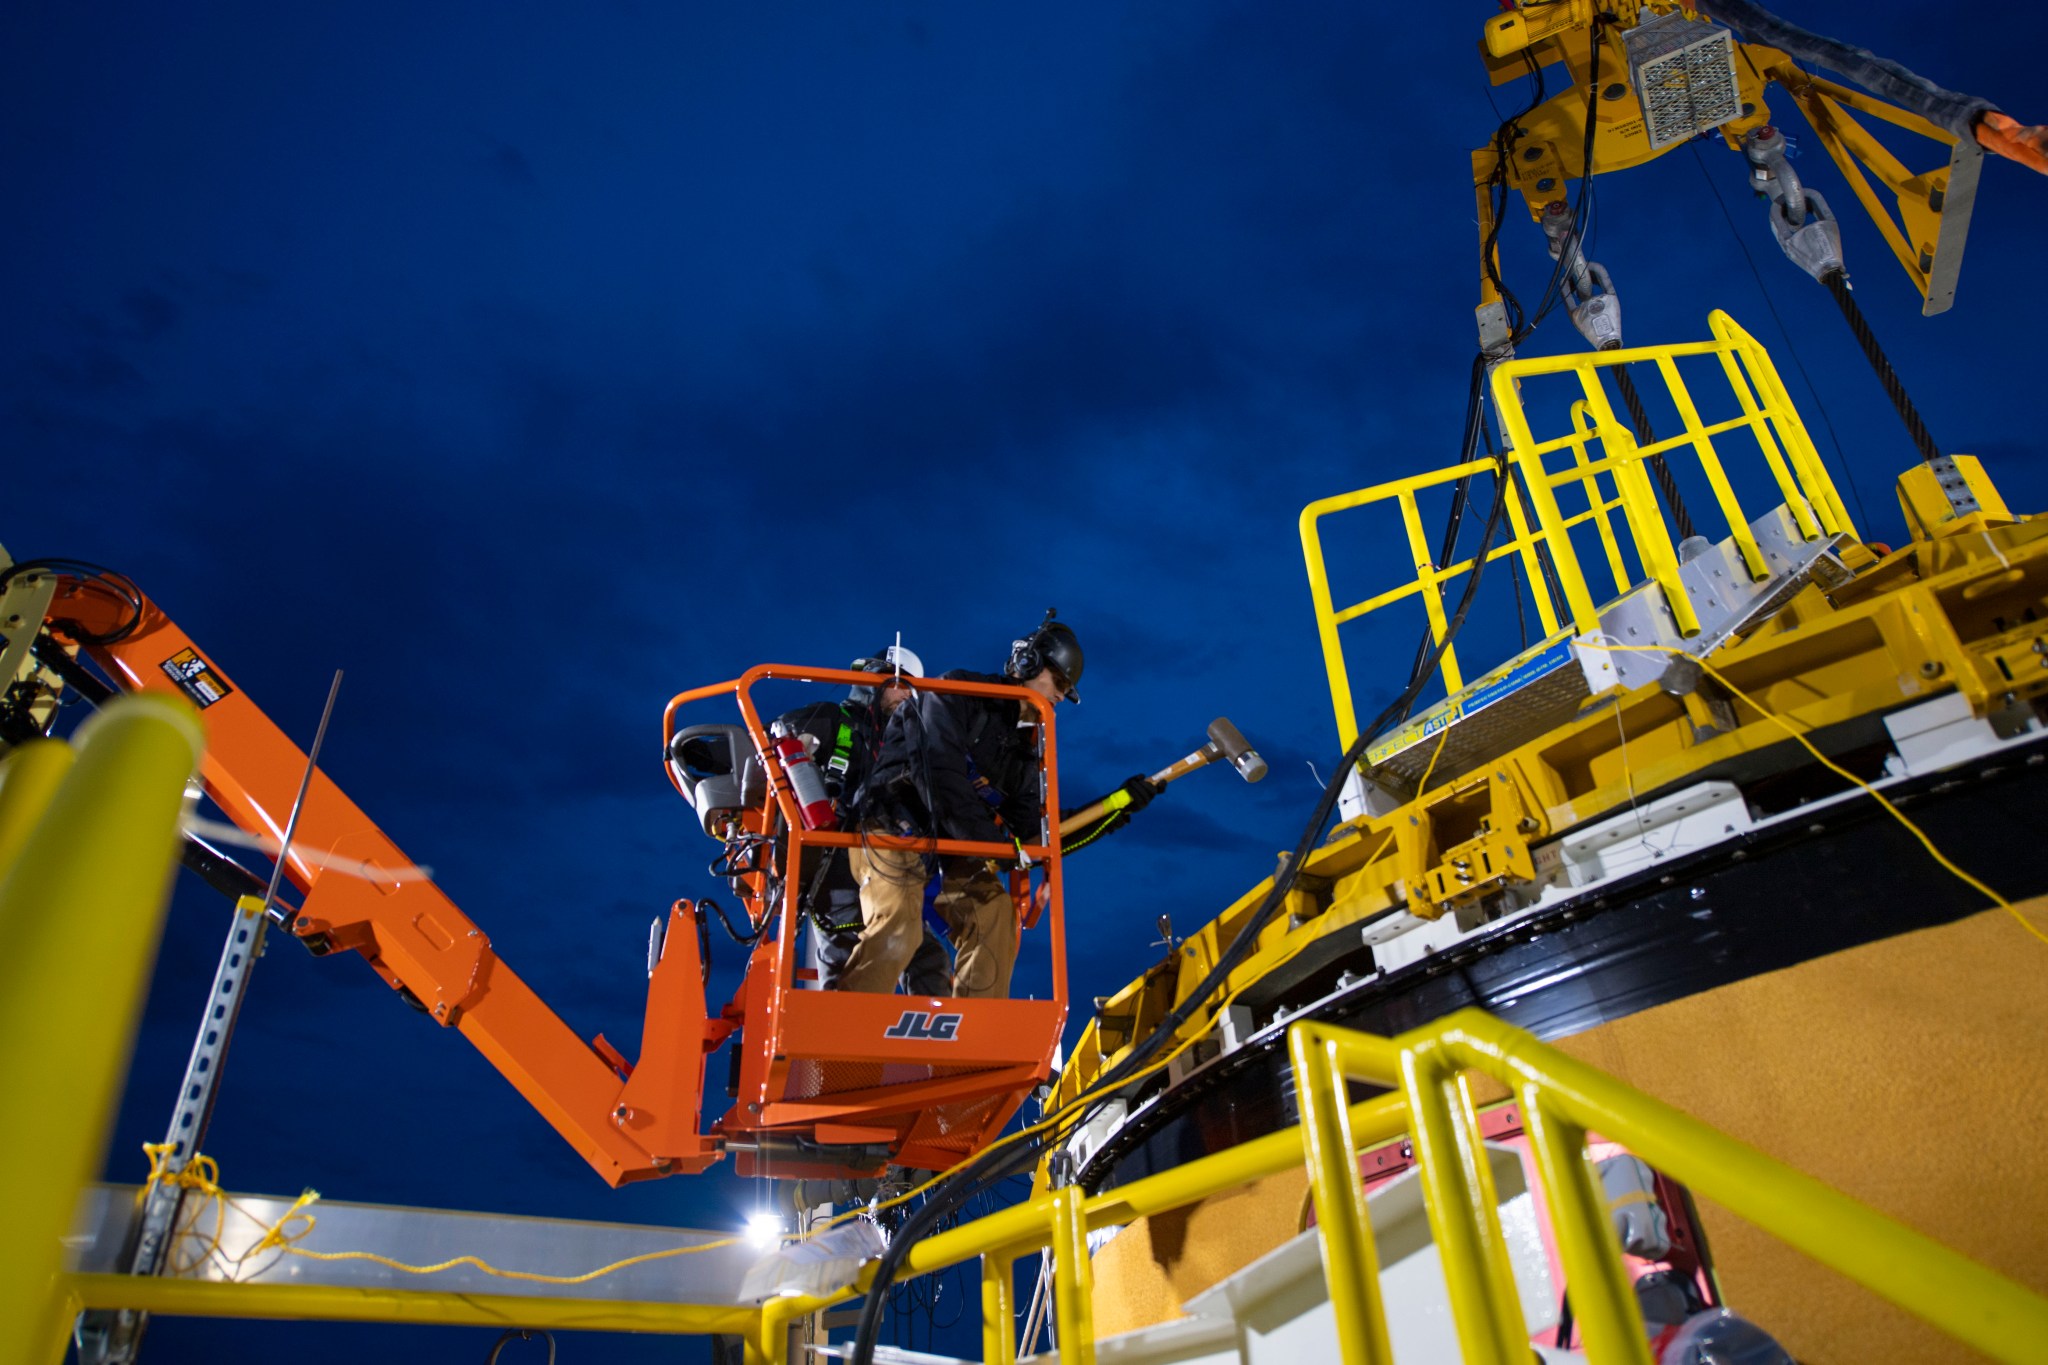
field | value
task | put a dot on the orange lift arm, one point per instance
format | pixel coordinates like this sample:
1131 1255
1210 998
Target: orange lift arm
411 934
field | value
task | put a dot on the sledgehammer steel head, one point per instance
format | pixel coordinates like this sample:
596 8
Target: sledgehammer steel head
1242 756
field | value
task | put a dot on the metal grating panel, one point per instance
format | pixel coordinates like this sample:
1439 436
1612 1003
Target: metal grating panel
1684 75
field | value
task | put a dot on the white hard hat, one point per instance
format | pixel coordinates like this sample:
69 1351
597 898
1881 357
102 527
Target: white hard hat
892 660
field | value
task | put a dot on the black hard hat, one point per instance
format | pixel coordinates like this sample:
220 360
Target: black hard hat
1053 645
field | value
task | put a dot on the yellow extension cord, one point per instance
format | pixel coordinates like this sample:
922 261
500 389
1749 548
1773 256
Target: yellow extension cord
202 1174
1837 769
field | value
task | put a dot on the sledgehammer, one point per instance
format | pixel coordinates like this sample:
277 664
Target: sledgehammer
1224 742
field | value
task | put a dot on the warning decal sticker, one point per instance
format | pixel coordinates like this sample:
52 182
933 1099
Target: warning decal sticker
196 678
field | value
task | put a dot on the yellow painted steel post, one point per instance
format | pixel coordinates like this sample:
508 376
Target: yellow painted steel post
998 1309
1717 477
1812 471
768 1343
1073 1283
1452 1201
28 779
81 908
1326 623
1505 1297
1350 1263
1432 587
1796 500
1975 1305
1659 557
1596 500
1603 1302
1522 444
1525 544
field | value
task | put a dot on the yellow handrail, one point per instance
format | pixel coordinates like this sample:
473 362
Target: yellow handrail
1427 1075
1562 1100
1766 415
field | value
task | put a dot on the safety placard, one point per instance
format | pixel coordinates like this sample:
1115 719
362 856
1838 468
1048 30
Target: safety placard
1510 678
196 678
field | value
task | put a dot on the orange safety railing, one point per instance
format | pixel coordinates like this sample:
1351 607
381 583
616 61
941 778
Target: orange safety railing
821 1086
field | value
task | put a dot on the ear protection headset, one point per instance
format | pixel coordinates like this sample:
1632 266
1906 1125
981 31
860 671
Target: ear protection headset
1052 645
1027 656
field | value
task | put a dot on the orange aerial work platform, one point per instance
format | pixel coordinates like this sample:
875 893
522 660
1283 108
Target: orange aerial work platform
828 1082
834 1082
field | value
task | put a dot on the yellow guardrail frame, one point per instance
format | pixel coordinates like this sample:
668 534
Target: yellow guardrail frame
1562 1100
1544 544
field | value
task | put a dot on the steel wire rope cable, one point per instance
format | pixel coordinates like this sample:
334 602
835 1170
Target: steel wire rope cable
1660 470
951 1189
1837 282
1791 346
1914 92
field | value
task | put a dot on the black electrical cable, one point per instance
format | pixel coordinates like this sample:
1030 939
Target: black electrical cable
1551 587
1504 138
998 1163
1521 616
90 575
1468 443
1585 202
1837 282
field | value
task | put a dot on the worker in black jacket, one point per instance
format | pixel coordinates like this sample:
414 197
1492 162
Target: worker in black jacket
964 767
844 737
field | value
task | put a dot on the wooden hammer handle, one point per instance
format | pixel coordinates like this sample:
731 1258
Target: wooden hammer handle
1094 811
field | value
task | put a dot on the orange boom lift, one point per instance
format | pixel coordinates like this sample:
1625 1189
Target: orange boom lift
828 1083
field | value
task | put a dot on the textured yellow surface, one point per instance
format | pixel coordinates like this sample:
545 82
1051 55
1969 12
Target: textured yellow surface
1156 1264
1907 1073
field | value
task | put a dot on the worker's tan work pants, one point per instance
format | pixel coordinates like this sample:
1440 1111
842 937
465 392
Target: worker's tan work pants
976 908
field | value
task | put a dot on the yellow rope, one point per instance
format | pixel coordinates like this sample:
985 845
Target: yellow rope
1840 771
1435 754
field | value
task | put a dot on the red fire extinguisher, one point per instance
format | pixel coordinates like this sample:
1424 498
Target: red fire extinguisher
813 806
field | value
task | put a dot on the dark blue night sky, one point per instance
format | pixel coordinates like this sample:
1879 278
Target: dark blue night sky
534 363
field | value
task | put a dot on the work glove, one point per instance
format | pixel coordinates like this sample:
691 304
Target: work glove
1134 793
